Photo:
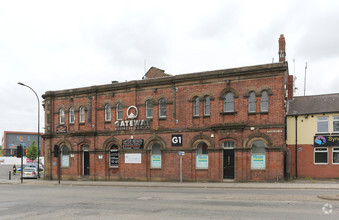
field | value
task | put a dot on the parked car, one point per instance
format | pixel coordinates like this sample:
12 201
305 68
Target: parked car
41 168
30 172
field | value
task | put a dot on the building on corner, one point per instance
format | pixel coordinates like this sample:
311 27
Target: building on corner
226 124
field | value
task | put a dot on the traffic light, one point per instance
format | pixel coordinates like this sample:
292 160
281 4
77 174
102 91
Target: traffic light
56 150
19 151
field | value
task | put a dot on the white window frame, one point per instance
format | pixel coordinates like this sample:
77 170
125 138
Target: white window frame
196 106
108 112
228 145
119 111
264 100
62 116
229 102
71 115
162 108
323 119
149 109
82 114
207 106
252 102
335 150
320 149
335 119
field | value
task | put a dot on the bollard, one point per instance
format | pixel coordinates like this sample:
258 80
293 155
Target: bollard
9 175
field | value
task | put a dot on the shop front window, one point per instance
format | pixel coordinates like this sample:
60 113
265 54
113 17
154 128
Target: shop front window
258 155
156 156
114 156
64 156
202 156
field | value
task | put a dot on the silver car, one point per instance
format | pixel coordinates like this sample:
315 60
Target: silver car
30 172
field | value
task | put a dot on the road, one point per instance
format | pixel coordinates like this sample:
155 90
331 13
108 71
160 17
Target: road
20 201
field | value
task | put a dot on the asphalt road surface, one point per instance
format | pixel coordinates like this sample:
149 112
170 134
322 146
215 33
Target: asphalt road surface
20 201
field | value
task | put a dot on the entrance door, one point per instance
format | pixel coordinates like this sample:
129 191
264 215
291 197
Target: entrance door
86 163
229 164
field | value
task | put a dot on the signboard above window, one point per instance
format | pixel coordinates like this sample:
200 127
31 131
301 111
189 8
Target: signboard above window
326 141
133 144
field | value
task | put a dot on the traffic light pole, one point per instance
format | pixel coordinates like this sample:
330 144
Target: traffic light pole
22 166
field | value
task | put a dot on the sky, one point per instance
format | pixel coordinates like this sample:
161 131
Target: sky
56 45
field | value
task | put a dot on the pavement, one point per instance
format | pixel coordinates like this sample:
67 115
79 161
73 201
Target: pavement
332 184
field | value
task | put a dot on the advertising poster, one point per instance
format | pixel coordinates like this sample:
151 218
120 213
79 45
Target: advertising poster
258 161
156 161
202 161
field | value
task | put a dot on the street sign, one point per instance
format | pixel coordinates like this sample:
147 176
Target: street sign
181 153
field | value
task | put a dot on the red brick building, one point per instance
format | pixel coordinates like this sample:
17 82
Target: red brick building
229 123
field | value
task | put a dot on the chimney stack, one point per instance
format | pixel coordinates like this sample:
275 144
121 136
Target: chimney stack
282 52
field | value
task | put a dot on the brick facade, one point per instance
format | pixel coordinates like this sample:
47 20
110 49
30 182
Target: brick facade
95 136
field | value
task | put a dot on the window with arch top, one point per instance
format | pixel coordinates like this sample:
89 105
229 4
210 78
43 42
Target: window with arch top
264 101
113 156
71 115
156 155
229 102
62 116
258 155
252 102
202 156
82 115
149 109
162 108
196 106
119 111
207 105
64 156
108 112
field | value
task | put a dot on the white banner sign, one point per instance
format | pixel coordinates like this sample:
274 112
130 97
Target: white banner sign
132 158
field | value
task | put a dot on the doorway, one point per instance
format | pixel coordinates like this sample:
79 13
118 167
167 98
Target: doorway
229 164
86 164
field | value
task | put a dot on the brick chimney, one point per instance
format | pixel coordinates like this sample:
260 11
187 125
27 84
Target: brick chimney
282 51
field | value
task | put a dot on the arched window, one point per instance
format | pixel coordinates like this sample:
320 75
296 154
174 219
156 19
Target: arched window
64 156
62 116
114 156
71 115
229 102
149 109
264 101
196 106
108 113
207 105
156 156
202 156
82 115
162 108
252 102
258 158
119 111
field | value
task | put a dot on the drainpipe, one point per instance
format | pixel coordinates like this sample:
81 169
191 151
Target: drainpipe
296 146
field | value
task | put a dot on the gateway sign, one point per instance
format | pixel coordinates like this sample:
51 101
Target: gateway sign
131 123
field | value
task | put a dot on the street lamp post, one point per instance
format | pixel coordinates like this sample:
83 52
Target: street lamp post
21 84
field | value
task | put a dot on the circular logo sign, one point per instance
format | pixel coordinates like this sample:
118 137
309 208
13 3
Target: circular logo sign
132 112
320 140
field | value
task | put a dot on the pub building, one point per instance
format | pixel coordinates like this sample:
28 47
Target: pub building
225 124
